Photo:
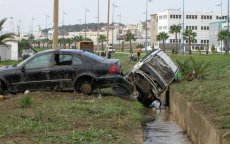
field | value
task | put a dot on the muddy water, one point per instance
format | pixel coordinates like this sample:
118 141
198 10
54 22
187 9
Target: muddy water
163 130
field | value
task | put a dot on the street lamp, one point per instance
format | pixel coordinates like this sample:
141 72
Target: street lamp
114 6
86 10
63 33
107 30
19 27
12 23
146 28
32 27
119 30
227 49
46 24
98 13
183 30
221 24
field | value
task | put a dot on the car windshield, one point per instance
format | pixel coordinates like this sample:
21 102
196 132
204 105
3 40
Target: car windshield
93 56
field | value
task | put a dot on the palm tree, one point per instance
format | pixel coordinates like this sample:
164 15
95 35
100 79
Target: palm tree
162 36
129 37
174 29
77 39
222 36
7 36
101 39
69 41
189 35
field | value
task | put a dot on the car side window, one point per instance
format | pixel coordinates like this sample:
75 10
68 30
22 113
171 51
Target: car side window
76 60
41 61
63 59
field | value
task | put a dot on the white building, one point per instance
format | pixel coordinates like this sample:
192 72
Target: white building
197 21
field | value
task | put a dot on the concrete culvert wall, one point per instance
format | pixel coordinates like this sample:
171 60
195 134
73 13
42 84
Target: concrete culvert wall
198 128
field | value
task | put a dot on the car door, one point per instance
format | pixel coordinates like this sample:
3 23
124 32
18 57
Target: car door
64 70
35 73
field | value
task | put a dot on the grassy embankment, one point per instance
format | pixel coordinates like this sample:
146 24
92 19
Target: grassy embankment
70 118
211 96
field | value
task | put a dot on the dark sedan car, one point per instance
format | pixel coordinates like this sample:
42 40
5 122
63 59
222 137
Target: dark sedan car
64 69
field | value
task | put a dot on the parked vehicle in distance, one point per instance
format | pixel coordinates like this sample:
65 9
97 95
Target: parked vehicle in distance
86 46
152 75
63 69
111 49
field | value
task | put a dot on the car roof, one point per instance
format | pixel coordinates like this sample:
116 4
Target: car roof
63 50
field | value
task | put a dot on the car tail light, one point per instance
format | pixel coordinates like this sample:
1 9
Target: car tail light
113 69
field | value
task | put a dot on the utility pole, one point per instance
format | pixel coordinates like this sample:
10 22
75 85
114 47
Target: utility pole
227 49
107 44
183 30
63 30
98 13
146 26
55 23
119 30
46 25
221 24
114 6
86 10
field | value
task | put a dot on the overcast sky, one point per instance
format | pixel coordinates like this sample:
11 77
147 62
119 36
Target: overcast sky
131 10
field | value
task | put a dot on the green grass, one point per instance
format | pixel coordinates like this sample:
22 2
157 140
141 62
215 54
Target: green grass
212 94
71 118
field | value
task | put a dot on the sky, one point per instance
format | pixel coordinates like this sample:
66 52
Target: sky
132 11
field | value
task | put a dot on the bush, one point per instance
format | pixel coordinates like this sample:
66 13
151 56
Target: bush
192 69
26 102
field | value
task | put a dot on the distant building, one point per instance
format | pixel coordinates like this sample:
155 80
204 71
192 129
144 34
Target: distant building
197 21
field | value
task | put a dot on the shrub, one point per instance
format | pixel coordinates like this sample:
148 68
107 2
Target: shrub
192 69
26 102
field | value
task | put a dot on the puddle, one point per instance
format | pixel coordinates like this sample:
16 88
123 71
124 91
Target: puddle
163 130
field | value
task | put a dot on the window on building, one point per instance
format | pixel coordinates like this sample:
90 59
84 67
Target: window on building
170 40
210 17
192 27
201 41
174 16
207 17
195 27
186 16
171 16
195 16
192 16
207 41
201 27
202 17
165 16
204 27
207 27
186 27
179 16
217 17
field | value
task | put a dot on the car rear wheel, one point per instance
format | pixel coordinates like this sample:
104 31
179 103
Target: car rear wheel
84 85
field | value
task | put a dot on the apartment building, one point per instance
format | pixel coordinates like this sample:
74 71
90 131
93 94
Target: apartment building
197 21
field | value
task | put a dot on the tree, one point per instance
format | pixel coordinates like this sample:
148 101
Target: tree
69 41
222 36
174 29
101 39
162 36
44 41
189 35
129 37
7 36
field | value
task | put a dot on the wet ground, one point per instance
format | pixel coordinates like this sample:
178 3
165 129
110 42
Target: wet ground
163 130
